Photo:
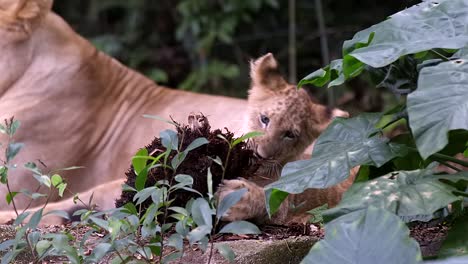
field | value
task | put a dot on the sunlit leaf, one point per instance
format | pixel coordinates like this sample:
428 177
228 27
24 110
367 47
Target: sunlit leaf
139 164
456 243
365 237
246 136
228 201
12 150
240 228
202 213
226 251
440 104
409 194
345 144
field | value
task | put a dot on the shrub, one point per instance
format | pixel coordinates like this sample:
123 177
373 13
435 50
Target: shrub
419 54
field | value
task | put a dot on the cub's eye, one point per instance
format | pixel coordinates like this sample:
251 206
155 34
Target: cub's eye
290 134
264 119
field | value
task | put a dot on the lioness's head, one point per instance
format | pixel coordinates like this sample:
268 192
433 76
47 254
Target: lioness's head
287 116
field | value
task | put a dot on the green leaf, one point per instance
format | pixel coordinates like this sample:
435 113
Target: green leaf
42 246
142 176
240 228
56 180
226 251
274 199
408 194
171 257
169 139
246 136
71 168
440 104
100 222
21 218
61 189
9 196
43 180
229 200
198 233
179 210
367 236
419 28
35 219
143 195
156 117
202 213
3 174
452 260
184 178
178 159
196 143
131 208
317 214
456 243
99 252
12 150
345 144
176 241
209 181
14 127
140 164
320 77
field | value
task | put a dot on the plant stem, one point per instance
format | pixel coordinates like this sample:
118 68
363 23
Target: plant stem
444 158
211 239
226 163
451 159
448 165
438 54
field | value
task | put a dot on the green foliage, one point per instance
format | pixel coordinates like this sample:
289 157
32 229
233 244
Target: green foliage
411 195
419 54
131 233
345 144
359 238
455 244
205 23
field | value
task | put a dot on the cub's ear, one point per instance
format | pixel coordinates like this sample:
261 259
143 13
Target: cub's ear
265 74
23 16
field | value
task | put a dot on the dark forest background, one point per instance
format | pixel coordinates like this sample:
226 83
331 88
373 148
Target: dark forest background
205 45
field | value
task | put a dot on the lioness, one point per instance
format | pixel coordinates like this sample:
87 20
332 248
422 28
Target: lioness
79 106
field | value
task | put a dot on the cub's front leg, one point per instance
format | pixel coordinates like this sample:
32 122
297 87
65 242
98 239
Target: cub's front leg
252 204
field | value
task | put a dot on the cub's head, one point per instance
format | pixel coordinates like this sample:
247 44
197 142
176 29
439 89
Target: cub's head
288 117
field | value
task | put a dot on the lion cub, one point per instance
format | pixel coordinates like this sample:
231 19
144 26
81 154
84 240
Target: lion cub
290 121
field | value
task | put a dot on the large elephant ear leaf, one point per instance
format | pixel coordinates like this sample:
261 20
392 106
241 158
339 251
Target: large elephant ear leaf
412 195
345 144
439 105
422 27
369 236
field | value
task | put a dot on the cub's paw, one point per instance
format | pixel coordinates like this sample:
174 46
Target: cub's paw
250 206
198 122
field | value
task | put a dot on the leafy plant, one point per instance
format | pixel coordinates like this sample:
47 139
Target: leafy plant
419 54
27 237
133 233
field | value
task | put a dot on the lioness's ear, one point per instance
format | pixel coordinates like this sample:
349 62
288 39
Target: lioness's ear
265 74
23 16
